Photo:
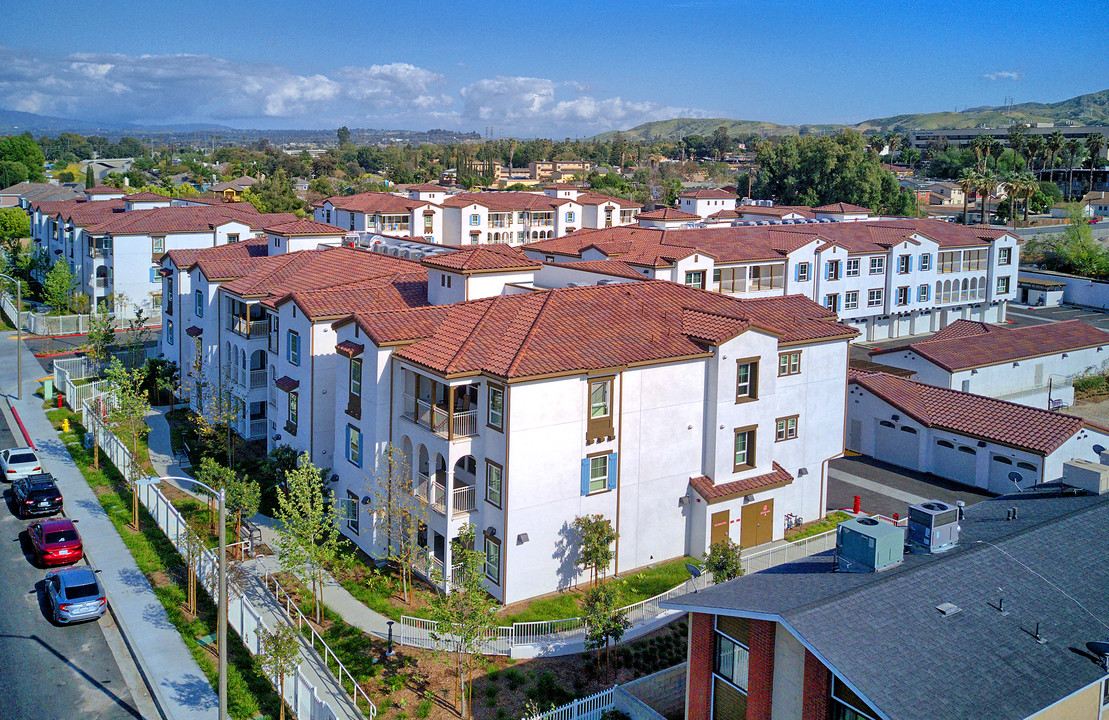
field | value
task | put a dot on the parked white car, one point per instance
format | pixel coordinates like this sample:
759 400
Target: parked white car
18 463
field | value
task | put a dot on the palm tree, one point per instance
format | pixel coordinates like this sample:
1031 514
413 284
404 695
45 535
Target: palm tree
968 182
1094 145
1075 149
979 145
1054 143
1029 186
987 183
1035 145
1013 186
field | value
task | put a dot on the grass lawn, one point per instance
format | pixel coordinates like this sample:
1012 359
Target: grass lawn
250 694
815 528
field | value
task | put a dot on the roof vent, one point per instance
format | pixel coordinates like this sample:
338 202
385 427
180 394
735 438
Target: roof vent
933 527
946 609
866 545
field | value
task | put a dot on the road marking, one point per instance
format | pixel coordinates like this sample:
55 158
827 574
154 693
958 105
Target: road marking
1030 317
875 487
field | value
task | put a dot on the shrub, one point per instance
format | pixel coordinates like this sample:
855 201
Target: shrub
423 709
615 714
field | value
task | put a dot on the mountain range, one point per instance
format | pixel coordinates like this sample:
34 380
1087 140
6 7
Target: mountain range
1089 109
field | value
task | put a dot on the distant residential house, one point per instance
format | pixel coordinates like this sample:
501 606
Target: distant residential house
947 193
232 190
388 213
899 171
1063 209
971 439
1034 365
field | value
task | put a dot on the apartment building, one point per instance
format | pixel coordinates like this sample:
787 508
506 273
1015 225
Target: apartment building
887 278
998 626
704 203
416 215
682 416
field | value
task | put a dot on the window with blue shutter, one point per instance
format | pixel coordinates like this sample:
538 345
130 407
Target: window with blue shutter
910 263
585 476
612 471
154 275
797 273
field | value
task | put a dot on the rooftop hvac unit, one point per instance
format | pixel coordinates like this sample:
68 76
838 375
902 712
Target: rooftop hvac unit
416 255
866 545
1085 475
933 527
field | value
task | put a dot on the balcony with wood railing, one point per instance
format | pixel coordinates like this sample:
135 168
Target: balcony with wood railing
438 419
434 490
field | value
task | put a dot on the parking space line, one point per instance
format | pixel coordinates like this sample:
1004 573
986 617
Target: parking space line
1036 318
876 487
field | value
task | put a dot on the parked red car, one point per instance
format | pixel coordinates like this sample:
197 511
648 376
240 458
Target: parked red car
55 542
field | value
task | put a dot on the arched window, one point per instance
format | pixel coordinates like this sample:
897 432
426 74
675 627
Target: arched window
939 292
973 288
966 290
981 288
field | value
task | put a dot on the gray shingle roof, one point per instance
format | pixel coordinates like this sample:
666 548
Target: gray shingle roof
882 633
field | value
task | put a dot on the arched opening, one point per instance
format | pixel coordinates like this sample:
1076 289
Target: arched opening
464 484
981 288
966 290
406 457
939 291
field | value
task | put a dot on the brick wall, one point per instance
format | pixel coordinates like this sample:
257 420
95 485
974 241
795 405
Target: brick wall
698 704
760 674
814 705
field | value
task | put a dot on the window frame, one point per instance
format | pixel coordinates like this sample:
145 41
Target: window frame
490 466
155 252
355 378
924 293
832 270
750 433
852 267
492 388
495 543
1005 256
789 363
903 291
292 411
877 265
851 300
352 518
354 449
752 393
292 347
784 426
831 302
904 263
926 261
694 275
198 303
603 479
599 426
719 636
874 297
1002 281
802 272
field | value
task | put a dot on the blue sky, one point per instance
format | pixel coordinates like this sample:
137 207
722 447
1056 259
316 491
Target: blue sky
552 69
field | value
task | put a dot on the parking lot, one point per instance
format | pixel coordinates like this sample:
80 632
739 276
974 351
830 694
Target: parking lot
885 489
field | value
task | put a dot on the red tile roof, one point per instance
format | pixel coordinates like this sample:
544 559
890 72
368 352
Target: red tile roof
504 201
594 198
965 344
709 195
287 383
424 187
379 202
1019 426
104 190
776 211
303 227
575 329
390 292
668 214
349 348
483 258
845 208
167 220
223 261
725 491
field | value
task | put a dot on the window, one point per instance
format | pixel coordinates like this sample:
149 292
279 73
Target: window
904 264
744 449
158 246
925 261
233 238
1004 256
695 279
169 331
902 296
493 559
922 293
570 217
785 428
429 221
292 347
494 476
851 300
789 363
832 302
327 216
747 380
351 221
803 272
1003 285
199 301
874 297
356 377
831 271
354 445
475 220
877 265
730 661
598 473
853 267
348 509
599 393
495 412
291 425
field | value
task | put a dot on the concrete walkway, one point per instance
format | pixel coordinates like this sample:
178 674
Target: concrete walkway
271 610
176 682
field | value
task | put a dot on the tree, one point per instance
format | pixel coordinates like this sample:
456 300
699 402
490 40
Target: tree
308 536
58 285
244 496
605 620
1053 143
465 615
280 656
595 537
90 178
127 410
192 549
723 560
399 513
25 151
101 337
968 183
720 142
12 173
344 135
14 224
219 478
987 185
1075 149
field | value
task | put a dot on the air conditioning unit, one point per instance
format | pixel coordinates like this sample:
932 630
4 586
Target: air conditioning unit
865 545
933 527
1085 475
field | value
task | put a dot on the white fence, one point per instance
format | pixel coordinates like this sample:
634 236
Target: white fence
43 324
68 371
300 694
587 708
756 562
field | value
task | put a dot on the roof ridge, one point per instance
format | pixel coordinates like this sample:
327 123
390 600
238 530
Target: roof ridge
493 302
530 333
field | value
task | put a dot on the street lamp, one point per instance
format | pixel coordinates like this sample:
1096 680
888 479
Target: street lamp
19 333
221 622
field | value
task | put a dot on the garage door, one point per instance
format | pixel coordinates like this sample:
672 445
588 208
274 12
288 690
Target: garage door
955 462
897 445
1001 467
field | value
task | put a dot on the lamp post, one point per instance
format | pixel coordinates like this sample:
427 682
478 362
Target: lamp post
19 333
221 603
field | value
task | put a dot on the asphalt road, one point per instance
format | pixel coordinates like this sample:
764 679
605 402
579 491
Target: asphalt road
50 672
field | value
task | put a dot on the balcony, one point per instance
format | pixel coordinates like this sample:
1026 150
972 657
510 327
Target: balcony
252 329
463 499
445 424
258 427
258 379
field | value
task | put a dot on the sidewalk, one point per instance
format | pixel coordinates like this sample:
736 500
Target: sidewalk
273 613
177 683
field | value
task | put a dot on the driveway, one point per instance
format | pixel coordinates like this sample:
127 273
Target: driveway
885 489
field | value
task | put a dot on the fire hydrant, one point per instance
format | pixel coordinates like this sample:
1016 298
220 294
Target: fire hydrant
65 425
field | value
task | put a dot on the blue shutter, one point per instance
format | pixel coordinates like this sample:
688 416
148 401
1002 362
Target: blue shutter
910 263
348 442
153 274
361 449
612 471
797 272
827 269
585 476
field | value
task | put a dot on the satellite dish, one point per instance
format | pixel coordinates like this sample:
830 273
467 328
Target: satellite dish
1101 649
1099 449
1016 477
693 570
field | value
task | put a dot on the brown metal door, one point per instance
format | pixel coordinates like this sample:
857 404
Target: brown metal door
757 523
720 522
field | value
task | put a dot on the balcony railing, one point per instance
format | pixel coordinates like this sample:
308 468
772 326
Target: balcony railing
258 379
258 428
248 328
438 420
463 498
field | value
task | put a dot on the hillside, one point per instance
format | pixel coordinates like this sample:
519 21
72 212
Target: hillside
1092 109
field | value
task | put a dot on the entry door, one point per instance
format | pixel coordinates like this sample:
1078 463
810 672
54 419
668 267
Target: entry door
757 523
720 522
855 435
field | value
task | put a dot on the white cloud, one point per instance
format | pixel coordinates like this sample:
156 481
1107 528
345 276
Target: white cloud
1002 75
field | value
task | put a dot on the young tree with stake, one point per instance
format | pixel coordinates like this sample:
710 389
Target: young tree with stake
280 656
399 514
595 537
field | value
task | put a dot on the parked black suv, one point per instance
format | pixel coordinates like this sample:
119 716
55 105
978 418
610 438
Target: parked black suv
36 495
